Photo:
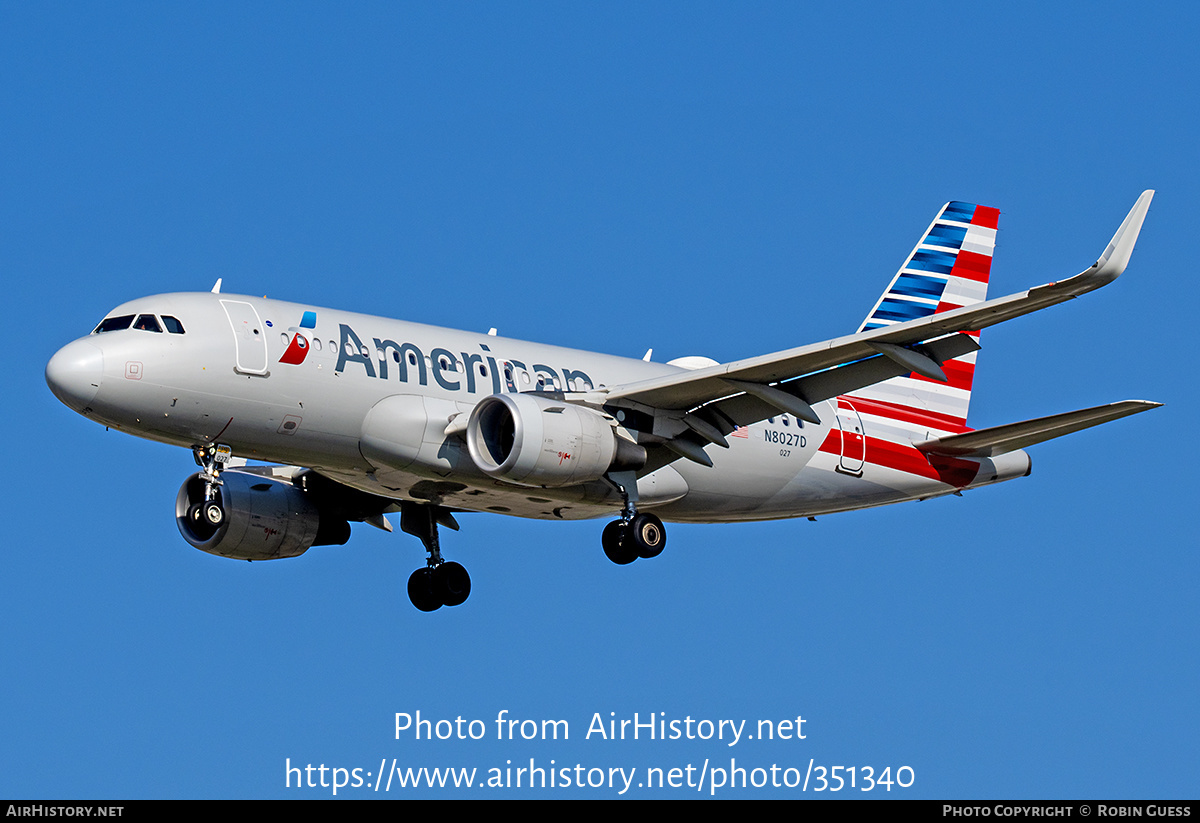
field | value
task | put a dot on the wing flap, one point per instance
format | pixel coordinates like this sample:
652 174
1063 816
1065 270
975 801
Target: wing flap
744 409
1012 436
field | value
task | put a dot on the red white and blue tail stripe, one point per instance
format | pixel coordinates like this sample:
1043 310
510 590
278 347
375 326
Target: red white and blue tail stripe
948 269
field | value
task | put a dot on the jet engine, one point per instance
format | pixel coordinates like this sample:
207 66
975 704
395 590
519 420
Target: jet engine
537 441
255 518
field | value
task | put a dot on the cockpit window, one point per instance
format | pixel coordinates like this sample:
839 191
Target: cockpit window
114 323
173 325
147 322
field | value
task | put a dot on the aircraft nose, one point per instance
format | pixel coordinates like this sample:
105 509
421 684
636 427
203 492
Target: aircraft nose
74 373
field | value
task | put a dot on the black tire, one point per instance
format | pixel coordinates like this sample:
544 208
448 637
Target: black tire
647 536
214 515
420 590
451 583
197 524
617 544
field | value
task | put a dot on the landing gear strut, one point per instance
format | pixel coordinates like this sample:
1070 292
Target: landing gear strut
438 583
209 514
636 534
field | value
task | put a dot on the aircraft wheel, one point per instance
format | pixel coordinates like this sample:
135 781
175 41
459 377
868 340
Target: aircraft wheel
647 536
214 515
451 583
198 523
616 543
421 592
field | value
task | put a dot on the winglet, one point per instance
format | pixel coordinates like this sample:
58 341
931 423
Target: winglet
1116 256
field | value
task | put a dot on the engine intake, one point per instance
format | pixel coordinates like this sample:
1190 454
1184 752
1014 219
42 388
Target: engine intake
536 441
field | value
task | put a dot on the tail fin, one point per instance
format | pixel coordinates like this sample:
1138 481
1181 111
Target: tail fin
948 269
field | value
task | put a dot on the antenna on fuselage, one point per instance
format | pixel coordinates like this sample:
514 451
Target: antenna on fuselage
216 289
646 356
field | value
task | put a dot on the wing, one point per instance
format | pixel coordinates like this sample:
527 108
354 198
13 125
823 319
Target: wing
711 402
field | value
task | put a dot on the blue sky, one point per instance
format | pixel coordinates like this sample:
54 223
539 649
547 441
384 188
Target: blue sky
723 180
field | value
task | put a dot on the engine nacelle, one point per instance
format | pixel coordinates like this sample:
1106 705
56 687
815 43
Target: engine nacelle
536 441
264 518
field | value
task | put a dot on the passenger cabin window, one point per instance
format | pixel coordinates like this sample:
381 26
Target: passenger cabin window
173 325
114 323
147 322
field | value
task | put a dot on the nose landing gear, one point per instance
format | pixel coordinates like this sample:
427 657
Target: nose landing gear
208 515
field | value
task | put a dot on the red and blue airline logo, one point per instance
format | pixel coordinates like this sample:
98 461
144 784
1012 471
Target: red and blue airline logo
297 349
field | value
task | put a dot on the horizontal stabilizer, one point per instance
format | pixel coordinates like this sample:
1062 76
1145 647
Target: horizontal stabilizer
1012 436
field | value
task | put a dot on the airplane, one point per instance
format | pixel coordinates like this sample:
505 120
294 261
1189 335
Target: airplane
353 417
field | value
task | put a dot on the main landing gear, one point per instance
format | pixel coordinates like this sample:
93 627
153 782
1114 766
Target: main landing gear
635 534
438 583
208 515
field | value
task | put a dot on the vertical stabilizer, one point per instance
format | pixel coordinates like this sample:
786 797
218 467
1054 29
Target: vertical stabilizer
947 269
